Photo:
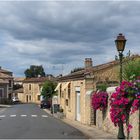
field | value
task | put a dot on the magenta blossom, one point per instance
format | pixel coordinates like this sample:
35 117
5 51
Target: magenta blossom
99 100
125 101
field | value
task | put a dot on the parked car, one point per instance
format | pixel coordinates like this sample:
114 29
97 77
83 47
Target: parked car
15 100
45 104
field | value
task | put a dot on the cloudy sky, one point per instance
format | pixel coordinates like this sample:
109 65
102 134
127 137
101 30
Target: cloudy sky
59 35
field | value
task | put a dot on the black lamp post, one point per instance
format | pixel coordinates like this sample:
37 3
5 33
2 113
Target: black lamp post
120 45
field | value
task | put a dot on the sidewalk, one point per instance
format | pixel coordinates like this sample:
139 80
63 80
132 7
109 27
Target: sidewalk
3 106
91 131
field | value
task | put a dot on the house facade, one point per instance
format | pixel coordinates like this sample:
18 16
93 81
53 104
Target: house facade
32 89
6 84
75 90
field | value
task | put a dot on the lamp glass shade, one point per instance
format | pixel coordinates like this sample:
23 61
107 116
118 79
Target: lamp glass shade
120 45
120 42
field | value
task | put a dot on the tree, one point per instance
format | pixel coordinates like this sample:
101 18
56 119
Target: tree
34 71
76 69
131 70
48 90
17 86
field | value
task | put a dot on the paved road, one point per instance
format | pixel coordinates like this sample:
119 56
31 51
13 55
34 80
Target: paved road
28 121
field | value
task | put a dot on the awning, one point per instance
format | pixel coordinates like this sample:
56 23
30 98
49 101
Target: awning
65 86
57 87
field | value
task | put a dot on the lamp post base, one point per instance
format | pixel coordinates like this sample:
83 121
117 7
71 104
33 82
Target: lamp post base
121 132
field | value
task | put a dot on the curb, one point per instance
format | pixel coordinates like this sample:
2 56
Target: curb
3 106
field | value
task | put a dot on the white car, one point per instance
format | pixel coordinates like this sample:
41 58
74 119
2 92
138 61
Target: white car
15 99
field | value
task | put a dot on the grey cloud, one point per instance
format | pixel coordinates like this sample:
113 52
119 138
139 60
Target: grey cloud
68 22
56 33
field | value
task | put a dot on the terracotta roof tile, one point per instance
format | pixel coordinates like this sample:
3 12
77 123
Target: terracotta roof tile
81 74
5 76
38 79
19 79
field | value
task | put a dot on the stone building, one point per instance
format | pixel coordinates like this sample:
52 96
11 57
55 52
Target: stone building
75 89
32 89
6 84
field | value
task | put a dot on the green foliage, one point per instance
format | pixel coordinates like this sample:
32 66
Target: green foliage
48 89
102 87
34 71
17 86
76 69
131 70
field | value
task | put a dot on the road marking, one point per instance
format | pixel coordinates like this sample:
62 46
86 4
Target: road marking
34 115
2 116
44 116
12 115
23 115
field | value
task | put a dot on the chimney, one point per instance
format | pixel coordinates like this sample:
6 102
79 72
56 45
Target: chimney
88 63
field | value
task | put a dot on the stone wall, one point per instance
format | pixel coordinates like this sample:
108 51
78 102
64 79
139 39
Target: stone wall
109 74
135 122
21 97
104 122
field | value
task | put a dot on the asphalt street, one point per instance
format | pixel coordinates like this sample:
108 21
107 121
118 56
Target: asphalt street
28 121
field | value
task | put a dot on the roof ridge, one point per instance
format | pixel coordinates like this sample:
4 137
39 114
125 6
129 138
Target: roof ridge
100 66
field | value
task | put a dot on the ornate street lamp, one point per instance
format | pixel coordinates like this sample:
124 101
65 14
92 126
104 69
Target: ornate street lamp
120 45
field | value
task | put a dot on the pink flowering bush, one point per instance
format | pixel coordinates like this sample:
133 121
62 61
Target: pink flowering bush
99 100
125 101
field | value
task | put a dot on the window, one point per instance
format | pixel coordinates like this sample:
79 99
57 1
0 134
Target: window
67 102
30 97
10 83
29 86
69 95
38 97
16 95
60 90
69 90
1 92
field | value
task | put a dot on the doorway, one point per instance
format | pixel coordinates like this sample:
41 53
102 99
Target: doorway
78 110
78 107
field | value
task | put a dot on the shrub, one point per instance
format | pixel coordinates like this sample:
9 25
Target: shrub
131 70
102 87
